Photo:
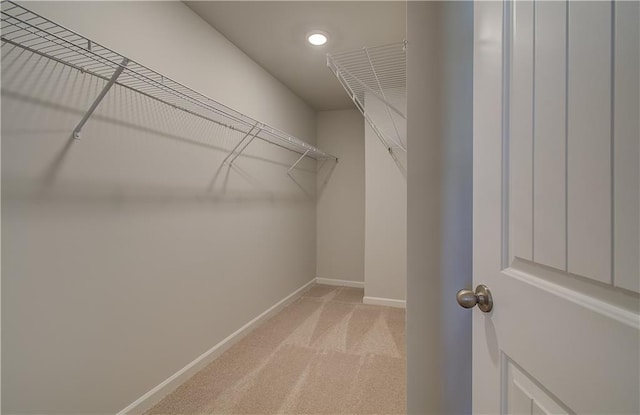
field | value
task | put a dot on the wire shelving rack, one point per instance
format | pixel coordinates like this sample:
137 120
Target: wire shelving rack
376 80
25 29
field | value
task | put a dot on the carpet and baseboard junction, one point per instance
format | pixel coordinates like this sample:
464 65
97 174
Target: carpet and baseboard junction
326 352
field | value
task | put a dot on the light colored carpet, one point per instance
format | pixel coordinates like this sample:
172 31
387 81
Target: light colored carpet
326 353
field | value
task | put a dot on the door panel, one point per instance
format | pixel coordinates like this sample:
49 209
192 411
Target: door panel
562 136
521 168
526 396
581 349
549 132
589 139
556 179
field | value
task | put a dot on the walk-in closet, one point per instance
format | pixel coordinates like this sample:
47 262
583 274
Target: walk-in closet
320 207
203 211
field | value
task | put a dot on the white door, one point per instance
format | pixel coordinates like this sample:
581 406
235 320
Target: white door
556 213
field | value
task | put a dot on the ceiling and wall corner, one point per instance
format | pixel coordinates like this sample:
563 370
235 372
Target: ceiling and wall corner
272 33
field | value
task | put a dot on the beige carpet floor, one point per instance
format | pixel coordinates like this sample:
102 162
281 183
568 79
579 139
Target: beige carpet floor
326 353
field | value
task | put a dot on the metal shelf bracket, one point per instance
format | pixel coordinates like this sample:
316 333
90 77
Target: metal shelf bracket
247 139
244 146
100 97
296 163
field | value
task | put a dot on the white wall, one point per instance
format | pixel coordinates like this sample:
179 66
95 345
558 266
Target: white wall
129 253
340 208
386 215
439 123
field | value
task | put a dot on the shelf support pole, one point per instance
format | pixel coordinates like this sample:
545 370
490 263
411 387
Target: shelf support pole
99 98
297 161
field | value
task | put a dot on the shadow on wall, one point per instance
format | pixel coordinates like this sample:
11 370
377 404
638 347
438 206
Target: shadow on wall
325 171
400 159
389 128
133 147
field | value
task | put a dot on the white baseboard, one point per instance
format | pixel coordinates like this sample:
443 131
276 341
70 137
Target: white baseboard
155 395
385 302
341 283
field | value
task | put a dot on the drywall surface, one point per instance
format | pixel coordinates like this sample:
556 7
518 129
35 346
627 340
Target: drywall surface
386 213
440 80
340 208
132 251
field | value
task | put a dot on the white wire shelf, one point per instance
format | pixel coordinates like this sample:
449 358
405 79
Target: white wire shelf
25 29
376 80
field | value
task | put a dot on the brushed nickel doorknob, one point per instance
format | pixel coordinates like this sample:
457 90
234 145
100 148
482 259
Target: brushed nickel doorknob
482 298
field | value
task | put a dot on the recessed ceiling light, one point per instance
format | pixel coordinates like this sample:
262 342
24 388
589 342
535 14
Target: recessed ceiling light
317 37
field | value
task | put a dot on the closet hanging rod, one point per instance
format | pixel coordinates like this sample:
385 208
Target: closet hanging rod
34 33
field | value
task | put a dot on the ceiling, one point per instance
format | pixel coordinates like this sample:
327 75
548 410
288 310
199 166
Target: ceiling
272 33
